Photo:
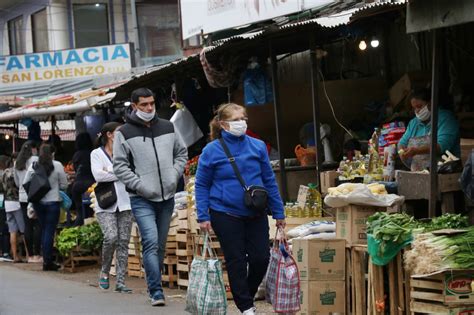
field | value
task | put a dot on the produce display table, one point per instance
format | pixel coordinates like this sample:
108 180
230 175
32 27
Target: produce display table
414 186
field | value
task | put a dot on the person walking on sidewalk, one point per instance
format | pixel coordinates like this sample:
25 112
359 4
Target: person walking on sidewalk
16 223
115 220
242 232
149 158
26 157
48 208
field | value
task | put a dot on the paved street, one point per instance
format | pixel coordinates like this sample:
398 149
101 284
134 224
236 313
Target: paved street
28 292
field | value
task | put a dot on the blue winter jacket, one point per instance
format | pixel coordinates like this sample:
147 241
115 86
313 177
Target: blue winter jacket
217 186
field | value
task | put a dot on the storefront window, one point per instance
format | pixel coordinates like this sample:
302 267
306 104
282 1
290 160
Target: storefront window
91 26
16 36
39 24
158 26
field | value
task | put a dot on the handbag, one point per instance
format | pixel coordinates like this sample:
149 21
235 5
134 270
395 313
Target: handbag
38 186
105 194
206 293
255 197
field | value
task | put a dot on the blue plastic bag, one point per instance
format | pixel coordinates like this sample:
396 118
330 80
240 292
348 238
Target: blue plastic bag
66 202
257 87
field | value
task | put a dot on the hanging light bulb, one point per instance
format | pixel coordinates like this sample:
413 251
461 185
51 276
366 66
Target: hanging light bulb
362 45
7 137
374 42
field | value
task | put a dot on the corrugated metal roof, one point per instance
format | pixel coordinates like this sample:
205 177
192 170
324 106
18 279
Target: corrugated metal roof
339 14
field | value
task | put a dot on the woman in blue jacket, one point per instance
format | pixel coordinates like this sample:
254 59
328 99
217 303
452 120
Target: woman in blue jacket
242 232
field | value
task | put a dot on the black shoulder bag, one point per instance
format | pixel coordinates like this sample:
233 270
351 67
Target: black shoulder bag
255 197
105 193
38 186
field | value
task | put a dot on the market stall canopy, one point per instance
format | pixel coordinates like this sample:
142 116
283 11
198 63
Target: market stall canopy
292 37
80 102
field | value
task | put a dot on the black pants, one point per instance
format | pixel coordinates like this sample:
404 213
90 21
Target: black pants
245 242
4 234
78 189
32 232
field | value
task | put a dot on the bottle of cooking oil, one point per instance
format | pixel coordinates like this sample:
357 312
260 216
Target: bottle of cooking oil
315 200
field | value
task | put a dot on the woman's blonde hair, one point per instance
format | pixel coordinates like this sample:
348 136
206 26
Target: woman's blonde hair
223 113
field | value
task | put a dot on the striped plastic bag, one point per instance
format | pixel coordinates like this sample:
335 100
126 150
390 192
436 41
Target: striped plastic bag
283 281
206 293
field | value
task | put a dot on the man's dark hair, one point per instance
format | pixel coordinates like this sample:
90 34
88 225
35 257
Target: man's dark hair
423 94
141 92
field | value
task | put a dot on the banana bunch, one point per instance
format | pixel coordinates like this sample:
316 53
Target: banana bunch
343 189
91 193
377 189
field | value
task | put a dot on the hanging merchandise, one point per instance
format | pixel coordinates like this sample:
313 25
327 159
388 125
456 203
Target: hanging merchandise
219 78
257 87
186 126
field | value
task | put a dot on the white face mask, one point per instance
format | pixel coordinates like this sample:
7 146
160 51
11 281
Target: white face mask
237 128
145 116
423 114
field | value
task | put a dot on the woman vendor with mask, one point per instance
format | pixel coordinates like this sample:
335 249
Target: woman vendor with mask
414 146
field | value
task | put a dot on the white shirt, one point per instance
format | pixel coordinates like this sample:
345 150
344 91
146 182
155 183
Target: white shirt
103 171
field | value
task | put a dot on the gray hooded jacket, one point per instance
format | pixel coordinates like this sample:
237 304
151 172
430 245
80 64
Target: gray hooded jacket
149 160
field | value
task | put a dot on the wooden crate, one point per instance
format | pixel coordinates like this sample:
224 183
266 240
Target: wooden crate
426 307
183 279
80 260
135 268
449 288
169 275
376 294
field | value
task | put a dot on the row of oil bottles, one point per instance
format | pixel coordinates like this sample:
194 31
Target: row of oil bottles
313 206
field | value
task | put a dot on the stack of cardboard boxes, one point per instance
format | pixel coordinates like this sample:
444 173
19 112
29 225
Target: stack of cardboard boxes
321 264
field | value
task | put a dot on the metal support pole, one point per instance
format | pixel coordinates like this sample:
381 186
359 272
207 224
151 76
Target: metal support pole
434 122
316 107
125 20
112 21
136 38
277 111
70 23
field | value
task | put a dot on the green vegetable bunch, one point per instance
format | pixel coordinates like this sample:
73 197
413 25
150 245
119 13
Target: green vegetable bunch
446 221
391 228
88 237
457 250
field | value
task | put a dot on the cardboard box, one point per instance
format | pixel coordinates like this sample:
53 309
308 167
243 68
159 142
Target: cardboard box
322 298
402 88
320 259
328 179
351 223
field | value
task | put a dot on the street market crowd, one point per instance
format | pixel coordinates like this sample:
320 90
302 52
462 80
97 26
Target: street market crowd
136 168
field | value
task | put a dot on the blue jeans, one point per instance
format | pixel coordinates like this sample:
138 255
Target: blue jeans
48 216
153 219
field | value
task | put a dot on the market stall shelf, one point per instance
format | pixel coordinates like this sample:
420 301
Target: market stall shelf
80 260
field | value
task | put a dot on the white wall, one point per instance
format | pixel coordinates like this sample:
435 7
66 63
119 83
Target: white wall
5 49
58 26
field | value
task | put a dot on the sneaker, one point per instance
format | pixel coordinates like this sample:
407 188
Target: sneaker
7 258
158 302
121 288
250 311
104 283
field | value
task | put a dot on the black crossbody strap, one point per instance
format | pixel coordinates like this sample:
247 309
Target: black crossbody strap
232 162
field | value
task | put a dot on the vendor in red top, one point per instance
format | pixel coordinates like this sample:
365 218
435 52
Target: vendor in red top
415 144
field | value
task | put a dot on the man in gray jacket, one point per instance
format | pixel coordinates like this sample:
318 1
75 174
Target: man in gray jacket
149 158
